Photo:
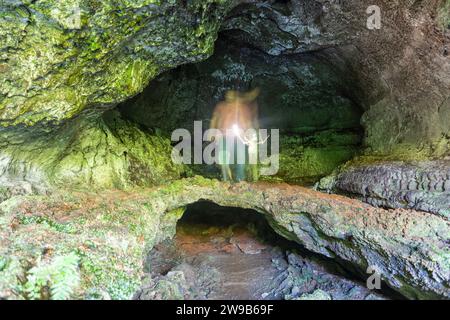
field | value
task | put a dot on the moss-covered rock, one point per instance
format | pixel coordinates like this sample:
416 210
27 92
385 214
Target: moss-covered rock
108 241
301 95
306 159
111 231
89 151
60 57
316 295
444 15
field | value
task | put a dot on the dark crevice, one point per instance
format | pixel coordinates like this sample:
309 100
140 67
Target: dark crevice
234 253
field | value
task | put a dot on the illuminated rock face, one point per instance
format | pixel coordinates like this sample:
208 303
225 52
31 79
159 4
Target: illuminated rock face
301 95
421 186
95 151
60 76
408 248
329 85
57 62
61 57
58 58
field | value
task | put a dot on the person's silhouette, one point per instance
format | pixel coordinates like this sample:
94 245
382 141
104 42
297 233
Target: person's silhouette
234 116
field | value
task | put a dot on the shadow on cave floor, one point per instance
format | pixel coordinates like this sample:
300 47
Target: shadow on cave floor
233 254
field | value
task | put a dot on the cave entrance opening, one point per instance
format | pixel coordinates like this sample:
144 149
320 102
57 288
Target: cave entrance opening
234 253
311 98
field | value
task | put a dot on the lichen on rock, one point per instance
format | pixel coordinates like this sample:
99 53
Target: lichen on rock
89 151
112 230
60 57
334 87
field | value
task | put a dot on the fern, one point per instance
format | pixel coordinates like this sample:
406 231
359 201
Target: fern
61 276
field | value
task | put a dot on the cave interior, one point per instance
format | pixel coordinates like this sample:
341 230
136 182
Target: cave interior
88 184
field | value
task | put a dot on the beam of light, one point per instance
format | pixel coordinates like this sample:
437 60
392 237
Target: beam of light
236 130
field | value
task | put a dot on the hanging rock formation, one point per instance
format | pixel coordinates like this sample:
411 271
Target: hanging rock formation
61 57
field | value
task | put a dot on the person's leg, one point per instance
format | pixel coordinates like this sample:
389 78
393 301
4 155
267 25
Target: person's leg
252 172
253 159
224 160
241 161
240 172
226 173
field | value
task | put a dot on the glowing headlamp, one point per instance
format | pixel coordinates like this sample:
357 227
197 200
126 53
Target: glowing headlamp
236 129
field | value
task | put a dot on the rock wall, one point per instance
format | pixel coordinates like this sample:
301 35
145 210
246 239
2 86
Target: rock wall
421 186
96 151
321 68
400 71
60 57
59 74
300 94
408 248
54 66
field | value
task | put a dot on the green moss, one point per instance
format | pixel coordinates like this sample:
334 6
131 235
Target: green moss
10 275
60 227
105 279
118 228
168 223
305 159
91 151
110 240
444 15
58 68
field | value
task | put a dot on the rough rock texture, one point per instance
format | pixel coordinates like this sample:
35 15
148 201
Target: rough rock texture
217 274
223 253
52 70
306 159
300 94
110 233
400 72
96 151
410 249
320 68
324 67
421 186
60 57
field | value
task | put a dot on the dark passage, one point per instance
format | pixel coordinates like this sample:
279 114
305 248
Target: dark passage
232 253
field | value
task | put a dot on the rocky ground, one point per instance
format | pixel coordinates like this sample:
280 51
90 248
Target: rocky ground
103 237
80 163
415 185
230 262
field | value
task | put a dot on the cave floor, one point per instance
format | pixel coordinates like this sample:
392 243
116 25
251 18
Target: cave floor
208 262
108 234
